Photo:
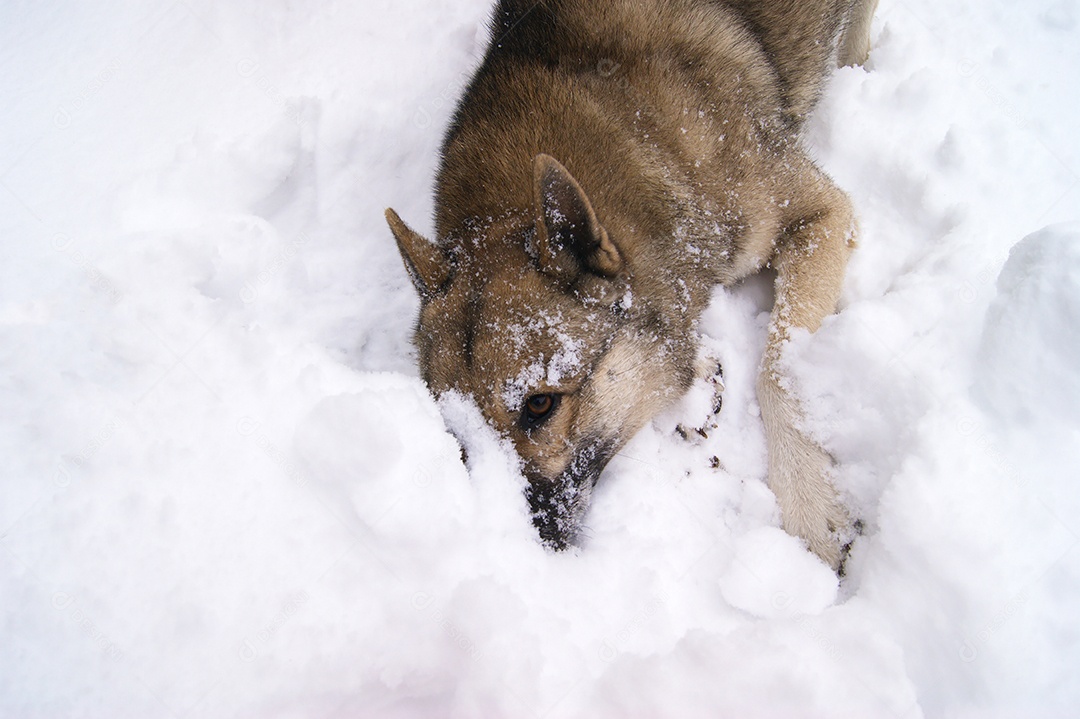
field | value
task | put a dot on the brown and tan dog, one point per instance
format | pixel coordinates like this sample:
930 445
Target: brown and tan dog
609 164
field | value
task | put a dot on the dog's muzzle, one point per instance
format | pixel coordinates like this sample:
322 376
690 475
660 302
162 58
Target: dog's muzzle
558 505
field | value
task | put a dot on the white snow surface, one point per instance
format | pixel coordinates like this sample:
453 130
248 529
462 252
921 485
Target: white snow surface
226 493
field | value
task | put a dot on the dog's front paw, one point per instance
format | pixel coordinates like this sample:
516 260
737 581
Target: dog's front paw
715 379
707 403
801 477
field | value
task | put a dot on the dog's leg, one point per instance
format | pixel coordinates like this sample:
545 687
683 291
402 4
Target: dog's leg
855 44
809 261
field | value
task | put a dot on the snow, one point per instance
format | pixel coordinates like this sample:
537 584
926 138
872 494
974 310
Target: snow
227 493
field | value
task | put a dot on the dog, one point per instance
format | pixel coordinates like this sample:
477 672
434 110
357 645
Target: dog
608 165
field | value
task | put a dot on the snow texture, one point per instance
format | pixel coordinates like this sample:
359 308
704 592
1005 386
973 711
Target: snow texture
226 492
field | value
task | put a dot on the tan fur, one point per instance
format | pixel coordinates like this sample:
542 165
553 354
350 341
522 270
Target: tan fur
609 164
855 45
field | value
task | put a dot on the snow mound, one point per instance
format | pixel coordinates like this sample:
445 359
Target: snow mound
1029 360
773 576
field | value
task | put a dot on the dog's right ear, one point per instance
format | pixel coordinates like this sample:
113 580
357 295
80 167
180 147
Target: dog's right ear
569 237
428 267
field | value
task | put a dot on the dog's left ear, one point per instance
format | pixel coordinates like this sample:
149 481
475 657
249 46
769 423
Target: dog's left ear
569 238
427 266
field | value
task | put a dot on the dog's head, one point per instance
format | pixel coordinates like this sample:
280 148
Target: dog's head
536 319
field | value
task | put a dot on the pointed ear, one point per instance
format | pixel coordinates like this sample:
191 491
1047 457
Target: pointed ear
569 238
427 266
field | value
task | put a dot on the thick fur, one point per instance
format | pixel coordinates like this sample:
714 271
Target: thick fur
609 164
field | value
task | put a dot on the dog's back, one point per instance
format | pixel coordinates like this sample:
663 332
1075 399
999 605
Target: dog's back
586 83
600 86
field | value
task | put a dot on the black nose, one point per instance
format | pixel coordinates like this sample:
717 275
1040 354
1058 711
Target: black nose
558 503
551 503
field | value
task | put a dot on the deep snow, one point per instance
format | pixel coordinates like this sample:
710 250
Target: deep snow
226 493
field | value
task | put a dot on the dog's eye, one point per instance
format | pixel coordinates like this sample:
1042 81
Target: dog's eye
538 408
